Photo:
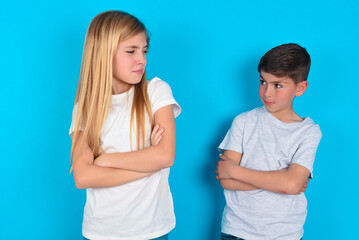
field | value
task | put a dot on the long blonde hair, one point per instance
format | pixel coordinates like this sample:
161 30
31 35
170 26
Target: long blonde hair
94 90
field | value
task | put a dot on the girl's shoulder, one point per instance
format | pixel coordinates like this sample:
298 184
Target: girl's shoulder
156 85
155 82
160 95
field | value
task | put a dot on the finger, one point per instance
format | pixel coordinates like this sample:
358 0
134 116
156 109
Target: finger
155 129
158 133
223 157
158 140
153 133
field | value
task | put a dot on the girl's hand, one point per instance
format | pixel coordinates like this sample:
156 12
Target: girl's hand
224 167
156 135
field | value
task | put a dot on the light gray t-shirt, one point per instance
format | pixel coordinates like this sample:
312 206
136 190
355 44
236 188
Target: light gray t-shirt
266 144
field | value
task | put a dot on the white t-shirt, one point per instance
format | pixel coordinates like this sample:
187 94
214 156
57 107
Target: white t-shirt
142 209
267 144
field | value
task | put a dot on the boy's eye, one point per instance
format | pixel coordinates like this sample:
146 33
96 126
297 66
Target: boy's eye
262 82
278 86
145 51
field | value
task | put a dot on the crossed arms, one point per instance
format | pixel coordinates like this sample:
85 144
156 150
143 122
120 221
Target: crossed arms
114 169
292 180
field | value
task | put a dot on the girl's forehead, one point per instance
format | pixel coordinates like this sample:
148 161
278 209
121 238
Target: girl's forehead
138 40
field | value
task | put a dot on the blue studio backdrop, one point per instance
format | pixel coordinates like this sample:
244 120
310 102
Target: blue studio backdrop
208 52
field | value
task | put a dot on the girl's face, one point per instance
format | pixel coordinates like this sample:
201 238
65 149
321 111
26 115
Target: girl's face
129 63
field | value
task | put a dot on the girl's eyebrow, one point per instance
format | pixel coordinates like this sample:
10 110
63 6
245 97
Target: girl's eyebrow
135 47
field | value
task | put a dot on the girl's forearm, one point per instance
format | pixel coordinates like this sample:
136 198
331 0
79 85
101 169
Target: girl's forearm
150 159
92 176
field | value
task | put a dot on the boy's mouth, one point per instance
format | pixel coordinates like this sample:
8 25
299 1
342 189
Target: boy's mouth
268 103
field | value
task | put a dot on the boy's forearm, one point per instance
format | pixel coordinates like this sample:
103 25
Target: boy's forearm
281 181
233 184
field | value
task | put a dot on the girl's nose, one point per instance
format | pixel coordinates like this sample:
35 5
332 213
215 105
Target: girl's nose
142 59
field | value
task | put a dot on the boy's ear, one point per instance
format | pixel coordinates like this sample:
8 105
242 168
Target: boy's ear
301 87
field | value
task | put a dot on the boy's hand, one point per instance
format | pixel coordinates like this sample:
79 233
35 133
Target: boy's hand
305 185
224 167
156 135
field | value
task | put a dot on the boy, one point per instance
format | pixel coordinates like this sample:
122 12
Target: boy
269 154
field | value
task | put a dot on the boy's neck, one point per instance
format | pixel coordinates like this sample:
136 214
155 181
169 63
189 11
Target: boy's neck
288 116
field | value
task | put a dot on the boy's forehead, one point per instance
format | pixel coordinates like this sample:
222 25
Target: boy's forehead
269 77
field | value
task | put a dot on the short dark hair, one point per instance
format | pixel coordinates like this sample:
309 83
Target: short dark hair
286 60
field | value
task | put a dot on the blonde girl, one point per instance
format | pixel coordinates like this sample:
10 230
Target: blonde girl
123 134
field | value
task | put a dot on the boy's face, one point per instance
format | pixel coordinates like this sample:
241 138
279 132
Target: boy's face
278 93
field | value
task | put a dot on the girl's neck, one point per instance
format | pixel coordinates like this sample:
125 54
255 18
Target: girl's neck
118 88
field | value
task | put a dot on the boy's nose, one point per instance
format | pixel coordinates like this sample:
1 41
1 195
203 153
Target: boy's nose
268 92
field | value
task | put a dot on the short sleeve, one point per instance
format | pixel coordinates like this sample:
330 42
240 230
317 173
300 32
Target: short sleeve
160 95
306 151
234 138
74 115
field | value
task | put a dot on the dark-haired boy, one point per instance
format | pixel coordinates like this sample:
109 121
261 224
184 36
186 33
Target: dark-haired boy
269 154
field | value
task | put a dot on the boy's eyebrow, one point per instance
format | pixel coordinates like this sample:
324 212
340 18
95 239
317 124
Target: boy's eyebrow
275 82
281 81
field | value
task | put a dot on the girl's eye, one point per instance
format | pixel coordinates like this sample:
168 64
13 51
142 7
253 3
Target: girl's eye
145 51
130 51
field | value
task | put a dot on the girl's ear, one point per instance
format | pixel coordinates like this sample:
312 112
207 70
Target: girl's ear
301 87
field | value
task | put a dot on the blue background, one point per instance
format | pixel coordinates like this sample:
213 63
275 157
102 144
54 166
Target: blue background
208 52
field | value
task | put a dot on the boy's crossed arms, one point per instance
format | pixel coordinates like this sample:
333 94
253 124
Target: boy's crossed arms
292 180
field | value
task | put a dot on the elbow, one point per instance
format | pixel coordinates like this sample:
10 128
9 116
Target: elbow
80 180
80 183
79 186
168 159
292 188
226 184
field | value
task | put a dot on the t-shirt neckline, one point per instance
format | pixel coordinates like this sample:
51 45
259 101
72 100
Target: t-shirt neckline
280 123
119 99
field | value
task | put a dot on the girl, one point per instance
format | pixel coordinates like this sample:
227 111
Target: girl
115 157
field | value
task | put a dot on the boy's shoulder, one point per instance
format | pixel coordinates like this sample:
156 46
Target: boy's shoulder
250 115
259 116
311 127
